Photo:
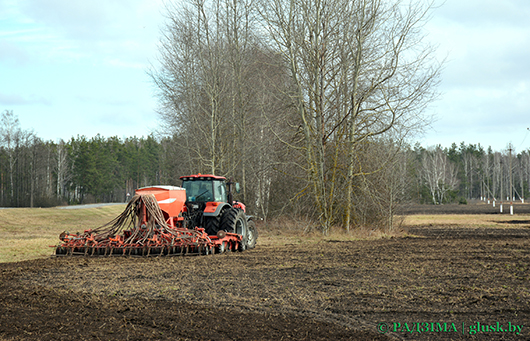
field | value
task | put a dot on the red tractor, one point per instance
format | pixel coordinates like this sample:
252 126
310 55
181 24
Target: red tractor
210 204
200 217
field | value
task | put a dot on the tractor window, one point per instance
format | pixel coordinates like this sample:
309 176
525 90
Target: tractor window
219 191
198 190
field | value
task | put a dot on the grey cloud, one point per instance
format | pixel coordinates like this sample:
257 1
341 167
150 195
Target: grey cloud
79 19
86 20
474 13
101 30
13 54
16 99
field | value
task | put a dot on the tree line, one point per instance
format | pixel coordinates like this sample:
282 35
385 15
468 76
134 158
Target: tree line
37 173
463 172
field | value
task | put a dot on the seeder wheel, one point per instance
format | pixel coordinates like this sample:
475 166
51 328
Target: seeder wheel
221 248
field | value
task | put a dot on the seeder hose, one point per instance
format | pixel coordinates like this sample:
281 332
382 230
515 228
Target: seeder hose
141 225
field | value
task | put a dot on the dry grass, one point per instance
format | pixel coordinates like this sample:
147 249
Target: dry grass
288 231
467 220
27 233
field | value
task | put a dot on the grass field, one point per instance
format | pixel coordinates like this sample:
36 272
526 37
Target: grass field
27 233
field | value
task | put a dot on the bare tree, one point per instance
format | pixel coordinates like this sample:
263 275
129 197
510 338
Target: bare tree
214 79
200 79
359 70
380 189
189 82
524 173
487 174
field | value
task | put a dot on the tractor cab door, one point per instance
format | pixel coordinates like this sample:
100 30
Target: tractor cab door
219 190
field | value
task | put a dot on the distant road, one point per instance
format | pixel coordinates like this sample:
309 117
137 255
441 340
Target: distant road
75 207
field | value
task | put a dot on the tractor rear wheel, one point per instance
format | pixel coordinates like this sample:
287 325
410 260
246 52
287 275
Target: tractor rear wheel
212 225
234 220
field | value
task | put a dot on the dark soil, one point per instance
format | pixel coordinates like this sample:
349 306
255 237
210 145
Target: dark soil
443 279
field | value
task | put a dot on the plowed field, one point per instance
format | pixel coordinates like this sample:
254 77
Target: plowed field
447 281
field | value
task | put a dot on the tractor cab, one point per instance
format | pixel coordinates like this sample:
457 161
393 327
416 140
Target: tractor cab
208 188
208 198
205 188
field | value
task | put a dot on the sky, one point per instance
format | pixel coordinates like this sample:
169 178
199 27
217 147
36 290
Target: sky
77 67
485 84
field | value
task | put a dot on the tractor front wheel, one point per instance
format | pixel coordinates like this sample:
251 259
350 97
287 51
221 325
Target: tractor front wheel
252 234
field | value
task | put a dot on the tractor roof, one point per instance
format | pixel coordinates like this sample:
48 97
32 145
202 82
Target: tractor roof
202 177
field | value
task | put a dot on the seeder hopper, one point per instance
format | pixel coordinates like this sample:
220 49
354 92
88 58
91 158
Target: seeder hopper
200 217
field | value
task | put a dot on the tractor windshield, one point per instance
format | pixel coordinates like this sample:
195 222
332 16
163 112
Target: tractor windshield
198 190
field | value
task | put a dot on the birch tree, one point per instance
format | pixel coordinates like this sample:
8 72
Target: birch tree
439 173
10 134
62 169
